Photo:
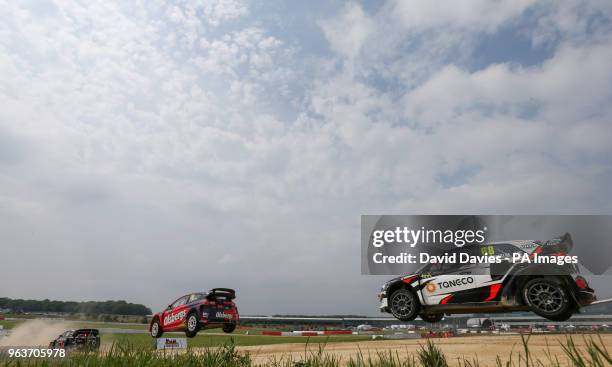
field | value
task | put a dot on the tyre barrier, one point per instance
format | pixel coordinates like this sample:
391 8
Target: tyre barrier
271 333
439 334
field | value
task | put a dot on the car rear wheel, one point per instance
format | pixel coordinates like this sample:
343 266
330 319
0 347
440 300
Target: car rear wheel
92 343
547 298
193 325
156 330
404 305
432 317
229 327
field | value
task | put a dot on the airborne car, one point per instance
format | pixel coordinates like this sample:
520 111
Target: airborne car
549 290
196 311
81 339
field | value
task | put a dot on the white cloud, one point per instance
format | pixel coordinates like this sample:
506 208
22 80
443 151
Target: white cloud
572 21
347 33
473 15
217 11
503 89
136 134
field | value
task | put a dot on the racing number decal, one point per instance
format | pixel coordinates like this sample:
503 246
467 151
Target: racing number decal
487 250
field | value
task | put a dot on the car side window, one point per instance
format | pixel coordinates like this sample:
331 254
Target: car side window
506 251
194 297
179 302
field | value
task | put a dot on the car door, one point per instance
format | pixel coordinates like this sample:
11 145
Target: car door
452 283
175 314
64 339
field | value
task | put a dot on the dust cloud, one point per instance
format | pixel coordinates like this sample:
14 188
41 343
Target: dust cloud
34 333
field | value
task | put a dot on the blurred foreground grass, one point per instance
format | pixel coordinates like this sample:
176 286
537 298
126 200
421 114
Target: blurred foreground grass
594 354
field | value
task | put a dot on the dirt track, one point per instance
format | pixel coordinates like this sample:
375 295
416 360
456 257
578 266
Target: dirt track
486 348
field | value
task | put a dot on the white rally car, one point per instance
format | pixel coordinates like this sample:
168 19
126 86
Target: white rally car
550 290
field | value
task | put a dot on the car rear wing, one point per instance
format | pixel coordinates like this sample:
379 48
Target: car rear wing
226 293
561 245
85 332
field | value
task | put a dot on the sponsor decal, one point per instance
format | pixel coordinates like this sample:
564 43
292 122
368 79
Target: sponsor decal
174 317
527 246
171 343
223 315
456 282
431 287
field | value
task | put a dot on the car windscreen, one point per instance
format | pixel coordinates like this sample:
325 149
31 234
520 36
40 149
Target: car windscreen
196 297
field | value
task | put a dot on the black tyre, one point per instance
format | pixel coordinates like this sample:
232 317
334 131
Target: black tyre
193 325
563 317
547 298
432 317
404 305
91 343
229 328
156 329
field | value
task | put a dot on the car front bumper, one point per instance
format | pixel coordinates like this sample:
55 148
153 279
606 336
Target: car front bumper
384 306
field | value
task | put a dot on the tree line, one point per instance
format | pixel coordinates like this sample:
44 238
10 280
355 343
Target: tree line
89 307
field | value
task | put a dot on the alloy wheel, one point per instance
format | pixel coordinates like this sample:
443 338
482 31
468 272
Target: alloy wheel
402 304
545 297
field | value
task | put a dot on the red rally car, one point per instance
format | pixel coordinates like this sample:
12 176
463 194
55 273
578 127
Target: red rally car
196 311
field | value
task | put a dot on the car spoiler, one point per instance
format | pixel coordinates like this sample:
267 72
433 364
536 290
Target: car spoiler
86 331
561 245
226 293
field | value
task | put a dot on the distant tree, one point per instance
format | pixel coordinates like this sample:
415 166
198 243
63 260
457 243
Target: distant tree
90 307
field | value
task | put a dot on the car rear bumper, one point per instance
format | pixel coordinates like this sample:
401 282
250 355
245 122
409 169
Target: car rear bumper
218 319
585 297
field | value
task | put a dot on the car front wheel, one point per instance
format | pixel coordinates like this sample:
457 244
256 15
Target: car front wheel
404 305
547 298
193 325
156 330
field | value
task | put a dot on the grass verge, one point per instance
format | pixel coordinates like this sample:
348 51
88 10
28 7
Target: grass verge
594 354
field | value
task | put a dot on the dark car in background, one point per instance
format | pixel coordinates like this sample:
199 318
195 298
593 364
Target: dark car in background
196 311
80 339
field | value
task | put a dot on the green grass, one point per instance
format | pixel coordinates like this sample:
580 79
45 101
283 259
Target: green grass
241 330
203 340
106 325
9 324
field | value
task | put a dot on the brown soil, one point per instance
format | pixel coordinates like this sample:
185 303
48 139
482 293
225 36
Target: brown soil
485 348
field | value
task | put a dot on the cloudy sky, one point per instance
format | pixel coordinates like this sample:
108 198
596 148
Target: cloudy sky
152 148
